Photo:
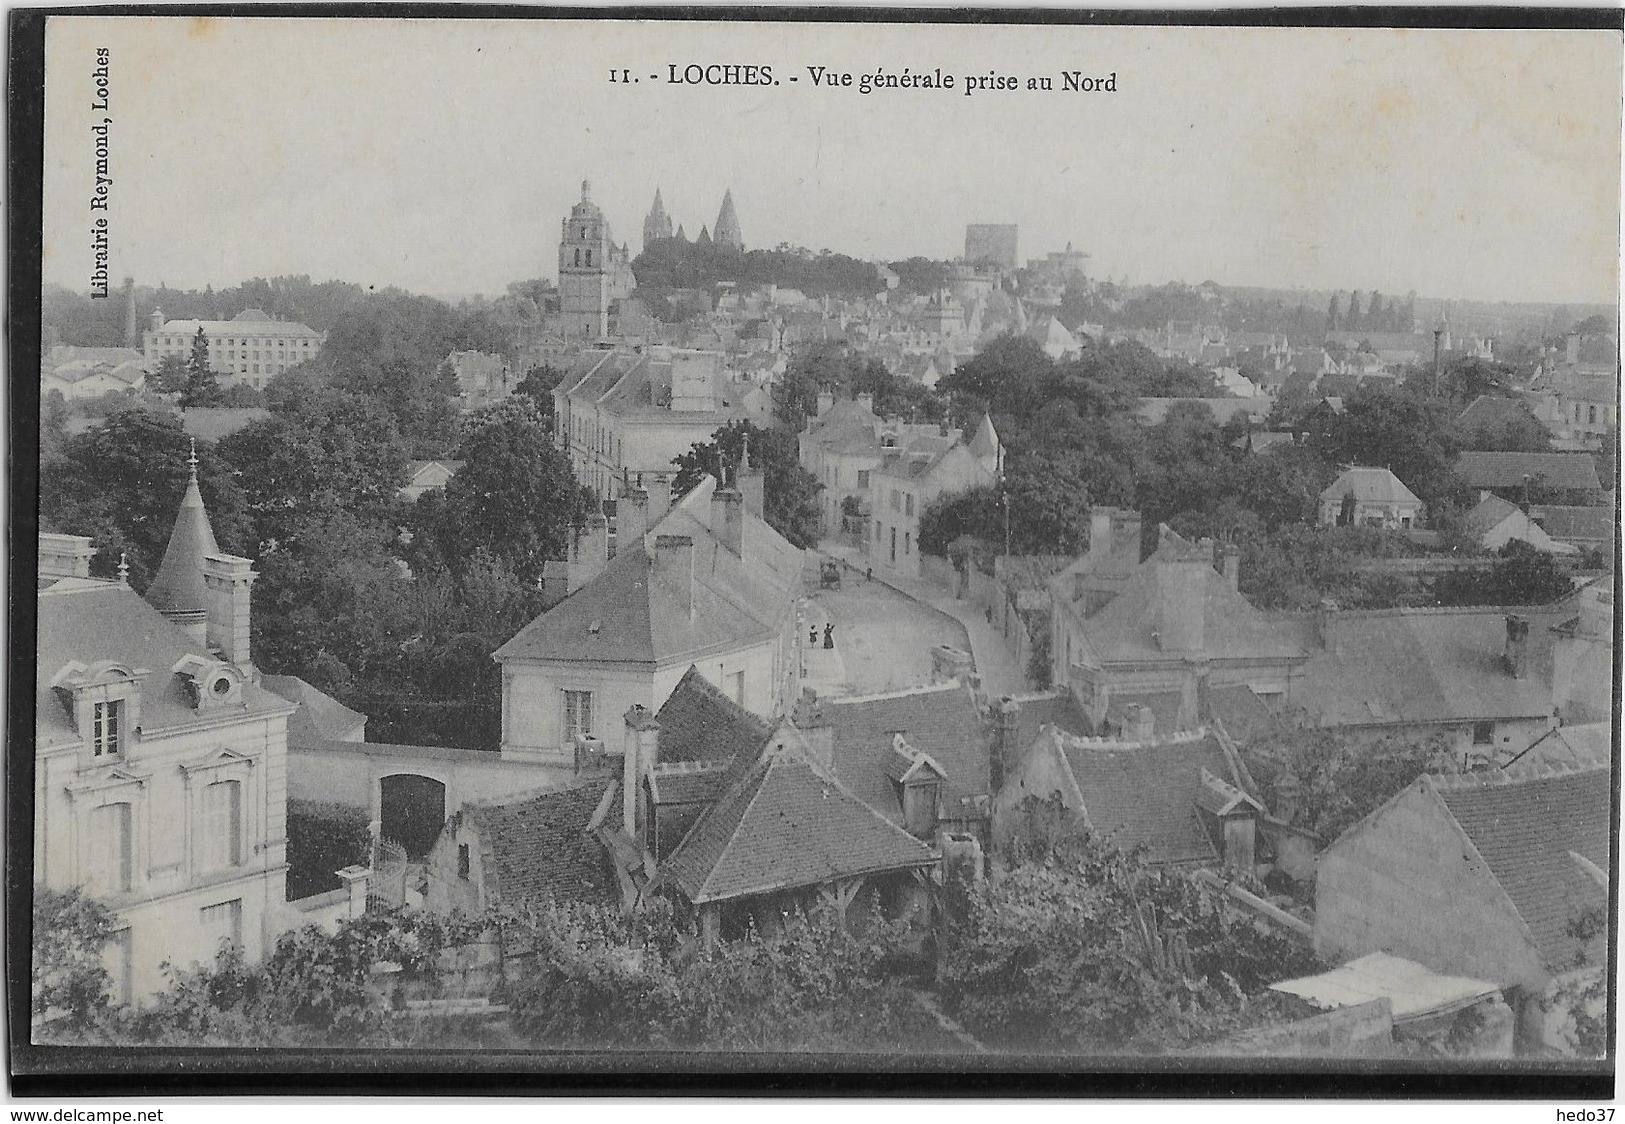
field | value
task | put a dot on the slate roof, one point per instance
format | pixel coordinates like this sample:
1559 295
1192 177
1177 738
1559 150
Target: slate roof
540 846
633 385
1507 470
1388 666
623 616
1525 827
1369 485
700 723
245 323
1488 514
320 717
1136 794
87 622
179 584
942 721
787 823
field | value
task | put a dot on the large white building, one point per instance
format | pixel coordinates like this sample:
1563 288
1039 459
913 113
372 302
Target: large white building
160 762
249 349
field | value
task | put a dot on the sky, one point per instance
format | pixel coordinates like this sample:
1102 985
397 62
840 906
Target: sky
442 155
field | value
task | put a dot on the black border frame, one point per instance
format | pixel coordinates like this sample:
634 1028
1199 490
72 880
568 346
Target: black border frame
81 1072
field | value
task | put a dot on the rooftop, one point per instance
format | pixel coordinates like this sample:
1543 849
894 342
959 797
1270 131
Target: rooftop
540 846
1507 470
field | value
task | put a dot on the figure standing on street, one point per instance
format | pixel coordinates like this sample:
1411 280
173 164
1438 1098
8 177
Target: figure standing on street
812 636
829 635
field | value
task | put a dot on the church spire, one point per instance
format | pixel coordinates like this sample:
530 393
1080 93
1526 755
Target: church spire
658 225
178 591
727 228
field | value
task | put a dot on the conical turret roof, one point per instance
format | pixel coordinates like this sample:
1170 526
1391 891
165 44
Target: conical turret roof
727 229
179 584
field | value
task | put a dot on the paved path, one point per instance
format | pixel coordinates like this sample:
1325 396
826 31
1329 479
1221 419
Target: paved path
995 663
883 638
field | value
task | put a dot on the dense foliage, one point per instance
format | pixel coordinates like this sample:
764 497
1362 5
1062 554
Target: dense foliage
1084 949
790 500
69 981
323 838
672 263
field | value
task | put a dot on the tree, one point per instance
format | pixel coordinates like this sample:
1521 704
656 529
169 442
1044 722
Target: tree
70 982
1334 314
1522 575
172 375
790 499
202 384
514 498
1398 430
121 484
538 385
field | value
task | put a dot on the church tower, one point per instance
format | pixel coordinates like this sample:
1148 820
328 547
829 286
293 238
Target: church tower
594 274
658 224
727 228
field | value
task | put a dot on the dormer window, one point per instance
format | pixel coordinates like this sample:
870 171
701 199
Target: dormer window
209 683
105 729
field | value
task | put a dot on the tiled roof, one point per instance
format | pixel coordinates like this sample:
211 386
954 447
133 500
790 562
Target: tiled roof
689 782
320 716
88 622
1136 794
1526 827
787 823
1243 714
210 423
941 721
1489 513
1369 485
1576 524
1231 627
1507 470
1488 409
623 616
1425 665
264 327
700 723
1052 708
540 846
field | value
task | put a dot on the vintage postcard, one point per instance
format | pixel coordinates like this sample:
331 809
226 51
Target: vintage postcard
734 544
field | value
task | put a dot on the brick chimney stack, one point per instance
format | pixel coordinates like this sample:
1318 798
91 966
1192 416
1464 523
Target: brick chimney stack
590 553
674 569
728 518
1181 607
227 580
1516 655
631 517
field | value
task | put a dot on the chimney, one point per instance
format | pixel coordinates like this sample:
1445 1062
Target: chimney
728 518
1139 723
674 568
1231 563
753 487
866 401
642 750
811 721
1100 530
1326 624
64 556
591 552
1125 533
1516 655
1181 607
227 580
631 516
659 489
826 402
1006 723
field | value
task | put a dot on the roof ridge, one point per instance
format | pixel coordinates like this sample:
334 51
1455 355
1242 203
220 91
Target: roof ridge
526 795
1178 737
903 692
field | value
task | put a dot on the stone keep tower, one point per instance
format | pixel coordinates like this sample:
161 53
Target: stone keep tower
594 273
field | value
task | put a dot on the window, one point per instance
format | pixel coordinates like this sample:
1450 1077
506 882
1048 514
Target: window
577 715
863 477
906 548
105 728
1591 415
908 504
462 861
221 830
919 808
578 255
223 922
738 686
1483 733
589 257
111 851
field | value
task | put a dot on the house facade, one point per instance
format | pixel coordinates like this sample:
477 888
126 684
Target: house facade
709 584
250 349
914 471
1369 497
160 760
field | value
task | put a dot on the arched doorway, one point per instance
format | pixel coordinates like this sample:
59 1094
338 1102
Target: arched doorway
412 810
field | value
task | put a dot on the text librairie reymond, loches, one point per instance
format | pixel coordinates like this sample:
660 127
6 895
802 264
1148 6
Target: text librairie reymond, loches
101 191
